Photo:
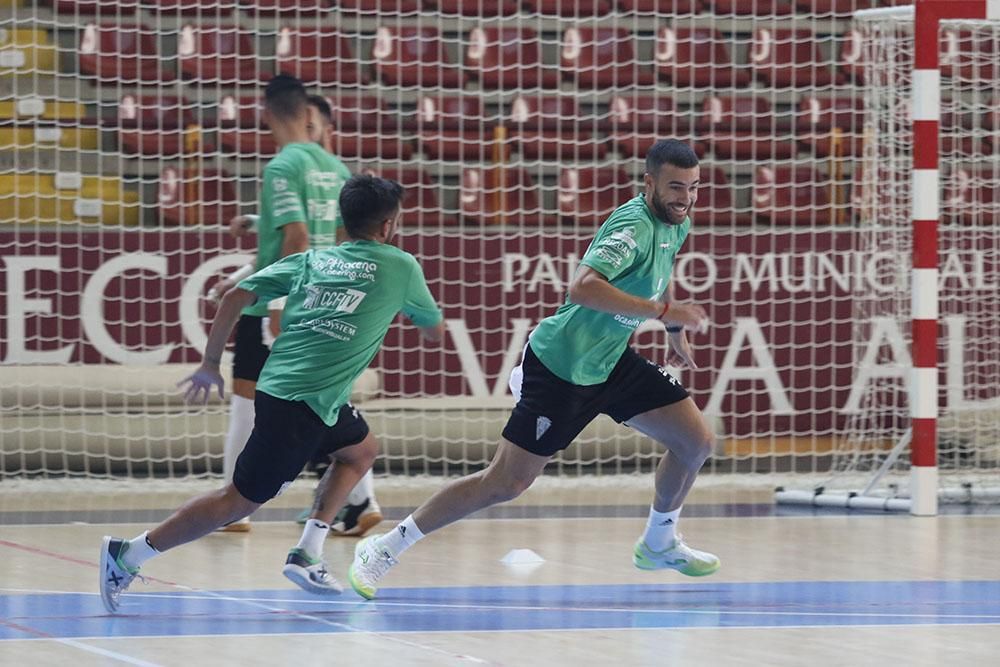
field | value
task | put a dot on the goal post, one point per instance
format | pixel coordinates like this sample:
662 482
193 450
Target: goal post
903 73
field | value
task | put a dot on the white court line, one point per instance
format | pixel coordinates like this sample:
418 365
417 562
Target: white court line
121 657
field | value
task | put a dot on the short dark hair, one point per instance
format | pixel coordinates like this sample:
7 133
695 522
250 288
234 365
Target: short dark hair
323 107
365 201
672 152
285 97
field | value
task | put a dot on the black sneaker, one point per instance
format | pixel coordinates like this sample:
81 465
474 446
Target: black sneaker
356 520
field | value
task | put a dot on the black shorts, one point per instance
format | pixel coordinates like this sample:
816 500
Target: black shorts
551 412
249 351
287 435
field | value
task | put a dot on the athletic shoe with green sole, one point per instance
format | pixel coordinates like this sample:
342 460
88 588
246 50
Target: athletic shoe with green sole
115 576
678 556
310 574
369 566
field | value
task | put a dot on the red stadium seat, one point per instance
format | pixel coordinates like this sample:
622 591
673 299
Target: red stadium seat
125 53
696 57
602 58
550 127
644 113
507 58
672 7
852 56
379 6
318 57
110 11
485 8
242 128
972 196
967 57
153 125
824 8
788 58
588 195
829 123
746 128
499 195
792 196
193 197
420 200
217 53
412 56
190 8
456 128
751 7
305 9
715 203
569 8
362 112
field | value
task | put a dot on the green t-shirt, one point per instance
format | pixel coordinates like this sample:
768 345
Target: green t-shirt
635 251
341 301
301 184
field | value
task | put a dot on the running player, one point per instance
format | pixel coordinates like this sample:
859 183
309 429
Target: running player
578 364
298 210
340 303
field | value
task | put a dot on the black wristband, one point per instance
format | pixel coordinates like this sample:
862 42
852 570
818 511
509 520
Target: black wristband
674 329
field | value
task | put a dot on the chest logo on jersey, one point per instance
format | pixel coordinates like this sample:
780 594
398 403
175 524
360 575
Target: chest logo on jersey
340 300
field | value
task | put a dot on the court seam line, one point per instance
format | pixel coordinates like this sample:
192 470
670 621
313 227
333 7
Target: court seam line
73 642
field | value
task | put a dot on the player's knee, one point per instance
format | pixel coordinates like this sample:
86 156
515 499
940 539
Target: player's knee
509 487
701 449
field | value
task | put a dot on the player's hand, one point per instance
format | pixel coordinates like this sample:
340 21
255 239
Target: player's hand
690 316
240 226
267 332
679 353
219 290
201 383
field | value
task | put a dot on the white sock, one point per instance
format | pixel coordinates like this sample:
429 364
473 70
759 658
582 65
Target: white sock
241 416
313 537
401 538
138 552
661 529
364 489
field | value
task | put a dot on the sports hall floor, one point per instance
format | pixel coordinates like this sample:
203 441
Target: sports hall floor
797 586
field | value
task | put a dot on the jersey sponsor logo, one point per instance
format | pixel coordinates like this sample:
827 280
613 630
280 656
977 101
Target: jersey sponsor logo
322 209
628 322
334 266
341 300
626 236
324 179
542 425
331 327
279 184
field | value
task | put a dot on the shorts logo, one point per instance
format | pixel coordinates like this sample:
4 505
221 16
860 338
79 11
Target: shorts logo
542 425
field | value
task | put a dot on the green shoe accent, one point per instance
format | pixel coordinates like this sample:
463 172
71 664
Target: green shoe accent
303 516
679 556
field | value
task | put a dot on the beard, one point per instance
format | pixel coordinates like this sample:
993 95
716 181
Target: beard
664 213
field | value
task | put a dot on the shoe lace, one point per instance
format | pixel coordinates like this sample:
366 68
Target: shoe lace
379 564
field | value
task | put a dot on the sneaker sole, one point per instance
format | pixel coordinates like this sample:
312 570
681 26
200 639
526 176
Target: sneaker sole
648 568
109 604
365 523
237 527
300 577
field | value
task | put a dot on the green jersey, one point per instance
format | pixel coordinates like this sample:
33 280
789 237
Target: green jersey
301 184
341 301
635 251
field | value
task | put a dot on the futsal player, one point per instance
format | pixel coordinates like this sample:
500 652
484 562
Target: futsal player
340 303
578 364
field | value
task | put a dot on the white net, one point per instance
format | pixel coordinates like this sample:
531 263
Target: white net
130 132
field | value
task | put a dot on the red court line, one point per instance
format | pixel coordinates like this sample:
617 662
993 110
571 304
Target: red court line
69 559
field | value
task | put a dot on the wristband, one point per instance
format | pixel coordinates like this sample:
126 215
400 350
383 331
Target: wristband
663 312
253 220
675 329
236 276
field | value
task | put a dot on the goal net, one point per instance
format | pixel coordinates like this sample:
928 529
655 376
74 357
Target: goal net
131 132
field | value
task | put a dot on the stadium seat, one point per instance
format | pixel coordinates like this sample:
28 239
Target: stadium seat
507 58
222 54
715 205
644 113
672 7
208 9
569 8
43 135
420 200
117 10
788 58
306 9
602 58
414 56
967 57
379 6
26 52
366 127
792 196
456 128
197 197
499 195
241 127
746 128
823 120
972 196
696 57
484 8
851 58
824 8
125 53
750 7
588 195
318 57
152 125
35 197
550 127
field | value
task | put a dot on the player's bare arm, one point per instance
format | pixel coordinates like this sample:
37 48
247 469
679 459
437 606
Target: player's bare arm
295 238
434 333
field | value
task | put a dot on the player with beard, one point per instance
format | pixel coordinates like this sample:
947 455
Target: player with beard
578 364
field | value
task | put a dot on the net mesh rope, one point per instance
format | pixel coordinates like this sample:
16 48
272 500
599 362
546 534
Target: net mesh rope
130 134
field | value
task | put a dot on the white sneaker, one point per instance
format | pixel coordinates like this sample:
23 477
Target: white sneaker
370 564
677 556
310 574
115 576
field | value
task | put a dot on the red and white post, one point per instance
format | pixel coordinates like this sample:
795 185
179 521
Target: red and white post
923 388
